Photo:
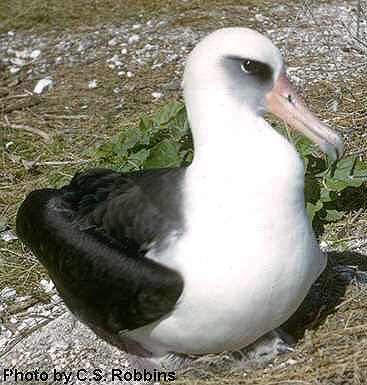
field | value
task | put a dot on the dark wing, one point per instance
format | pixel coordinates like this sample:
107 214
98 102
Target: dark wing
92 236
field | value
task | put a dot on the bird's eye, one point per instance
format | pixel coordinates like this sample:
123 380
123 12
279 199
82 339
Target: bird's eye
248 66
253 67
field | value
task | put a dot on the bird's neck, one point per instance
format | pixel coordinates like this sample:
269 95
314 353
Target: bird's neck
227 134
217 124
239 155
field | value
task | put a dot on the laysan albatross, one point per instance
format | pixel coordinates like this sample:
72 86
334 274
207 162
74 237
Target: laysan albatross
197 259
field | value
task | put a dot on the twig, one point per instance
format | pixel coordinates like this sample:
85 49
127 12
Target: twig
354 218
66 116
11 252
360 152
18 307
35 316
19 106
346 239
36 131
62 163
29 164
346 303
355 37
358 246
23 336
26 95
358 17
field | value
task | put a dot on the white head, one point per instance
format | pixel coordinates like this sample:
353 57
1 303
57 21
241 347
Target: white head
239 62
241 67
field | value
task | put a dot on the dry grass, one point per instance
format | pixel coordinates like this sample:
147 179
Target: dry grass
332 338
69 14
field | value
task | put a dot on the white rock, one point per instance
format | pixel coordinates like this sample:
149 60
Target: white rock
82 46
14 70
260 17
8 292
8 236
47 285
172 57
113 41
17 61
115 60
43 85
324 245
35 54
55 298
22 54
93 84
161 23
291 361
22 298
157 95
133 39
333 105
129 74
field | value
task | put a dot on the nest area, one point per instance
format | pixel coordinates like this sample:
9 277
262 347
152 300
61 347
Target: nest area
111 61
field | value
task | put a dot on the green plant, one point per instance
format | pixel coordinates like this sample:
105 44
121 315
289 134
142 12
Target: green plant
325 181
164 140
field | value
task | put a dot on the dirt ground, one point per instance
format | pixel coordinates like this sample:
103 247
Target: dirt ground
112 61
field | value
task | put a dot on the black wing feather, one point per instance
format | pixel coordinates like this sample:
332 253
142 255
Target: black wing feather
87 236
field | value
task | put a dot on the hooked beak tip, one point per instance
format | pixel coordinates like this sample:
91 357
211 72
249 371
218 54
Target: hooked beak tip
283 101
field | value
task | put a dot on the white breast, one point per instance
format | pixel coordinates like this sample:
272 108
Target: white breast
248 256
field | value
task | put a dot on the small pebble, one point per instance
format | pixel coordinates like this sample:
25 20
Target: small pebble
93 84
43 85
8 236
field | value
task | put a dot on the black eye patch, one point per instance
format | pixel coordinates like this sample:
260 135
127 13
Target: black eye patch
256 68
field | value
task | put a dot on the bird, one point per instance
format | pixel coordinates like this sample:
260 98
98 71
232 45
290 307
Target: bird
197 259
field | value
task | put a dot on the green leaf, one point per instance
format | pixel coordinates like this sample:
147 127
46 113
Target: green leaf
335 184
312 209
303 144
167 113
138 158
146 124
129 139
165 154
312 188
327 195
180 125
333 215
59 181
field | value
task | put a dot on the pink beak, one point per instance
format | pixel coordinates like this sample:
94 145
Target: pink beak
283 102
